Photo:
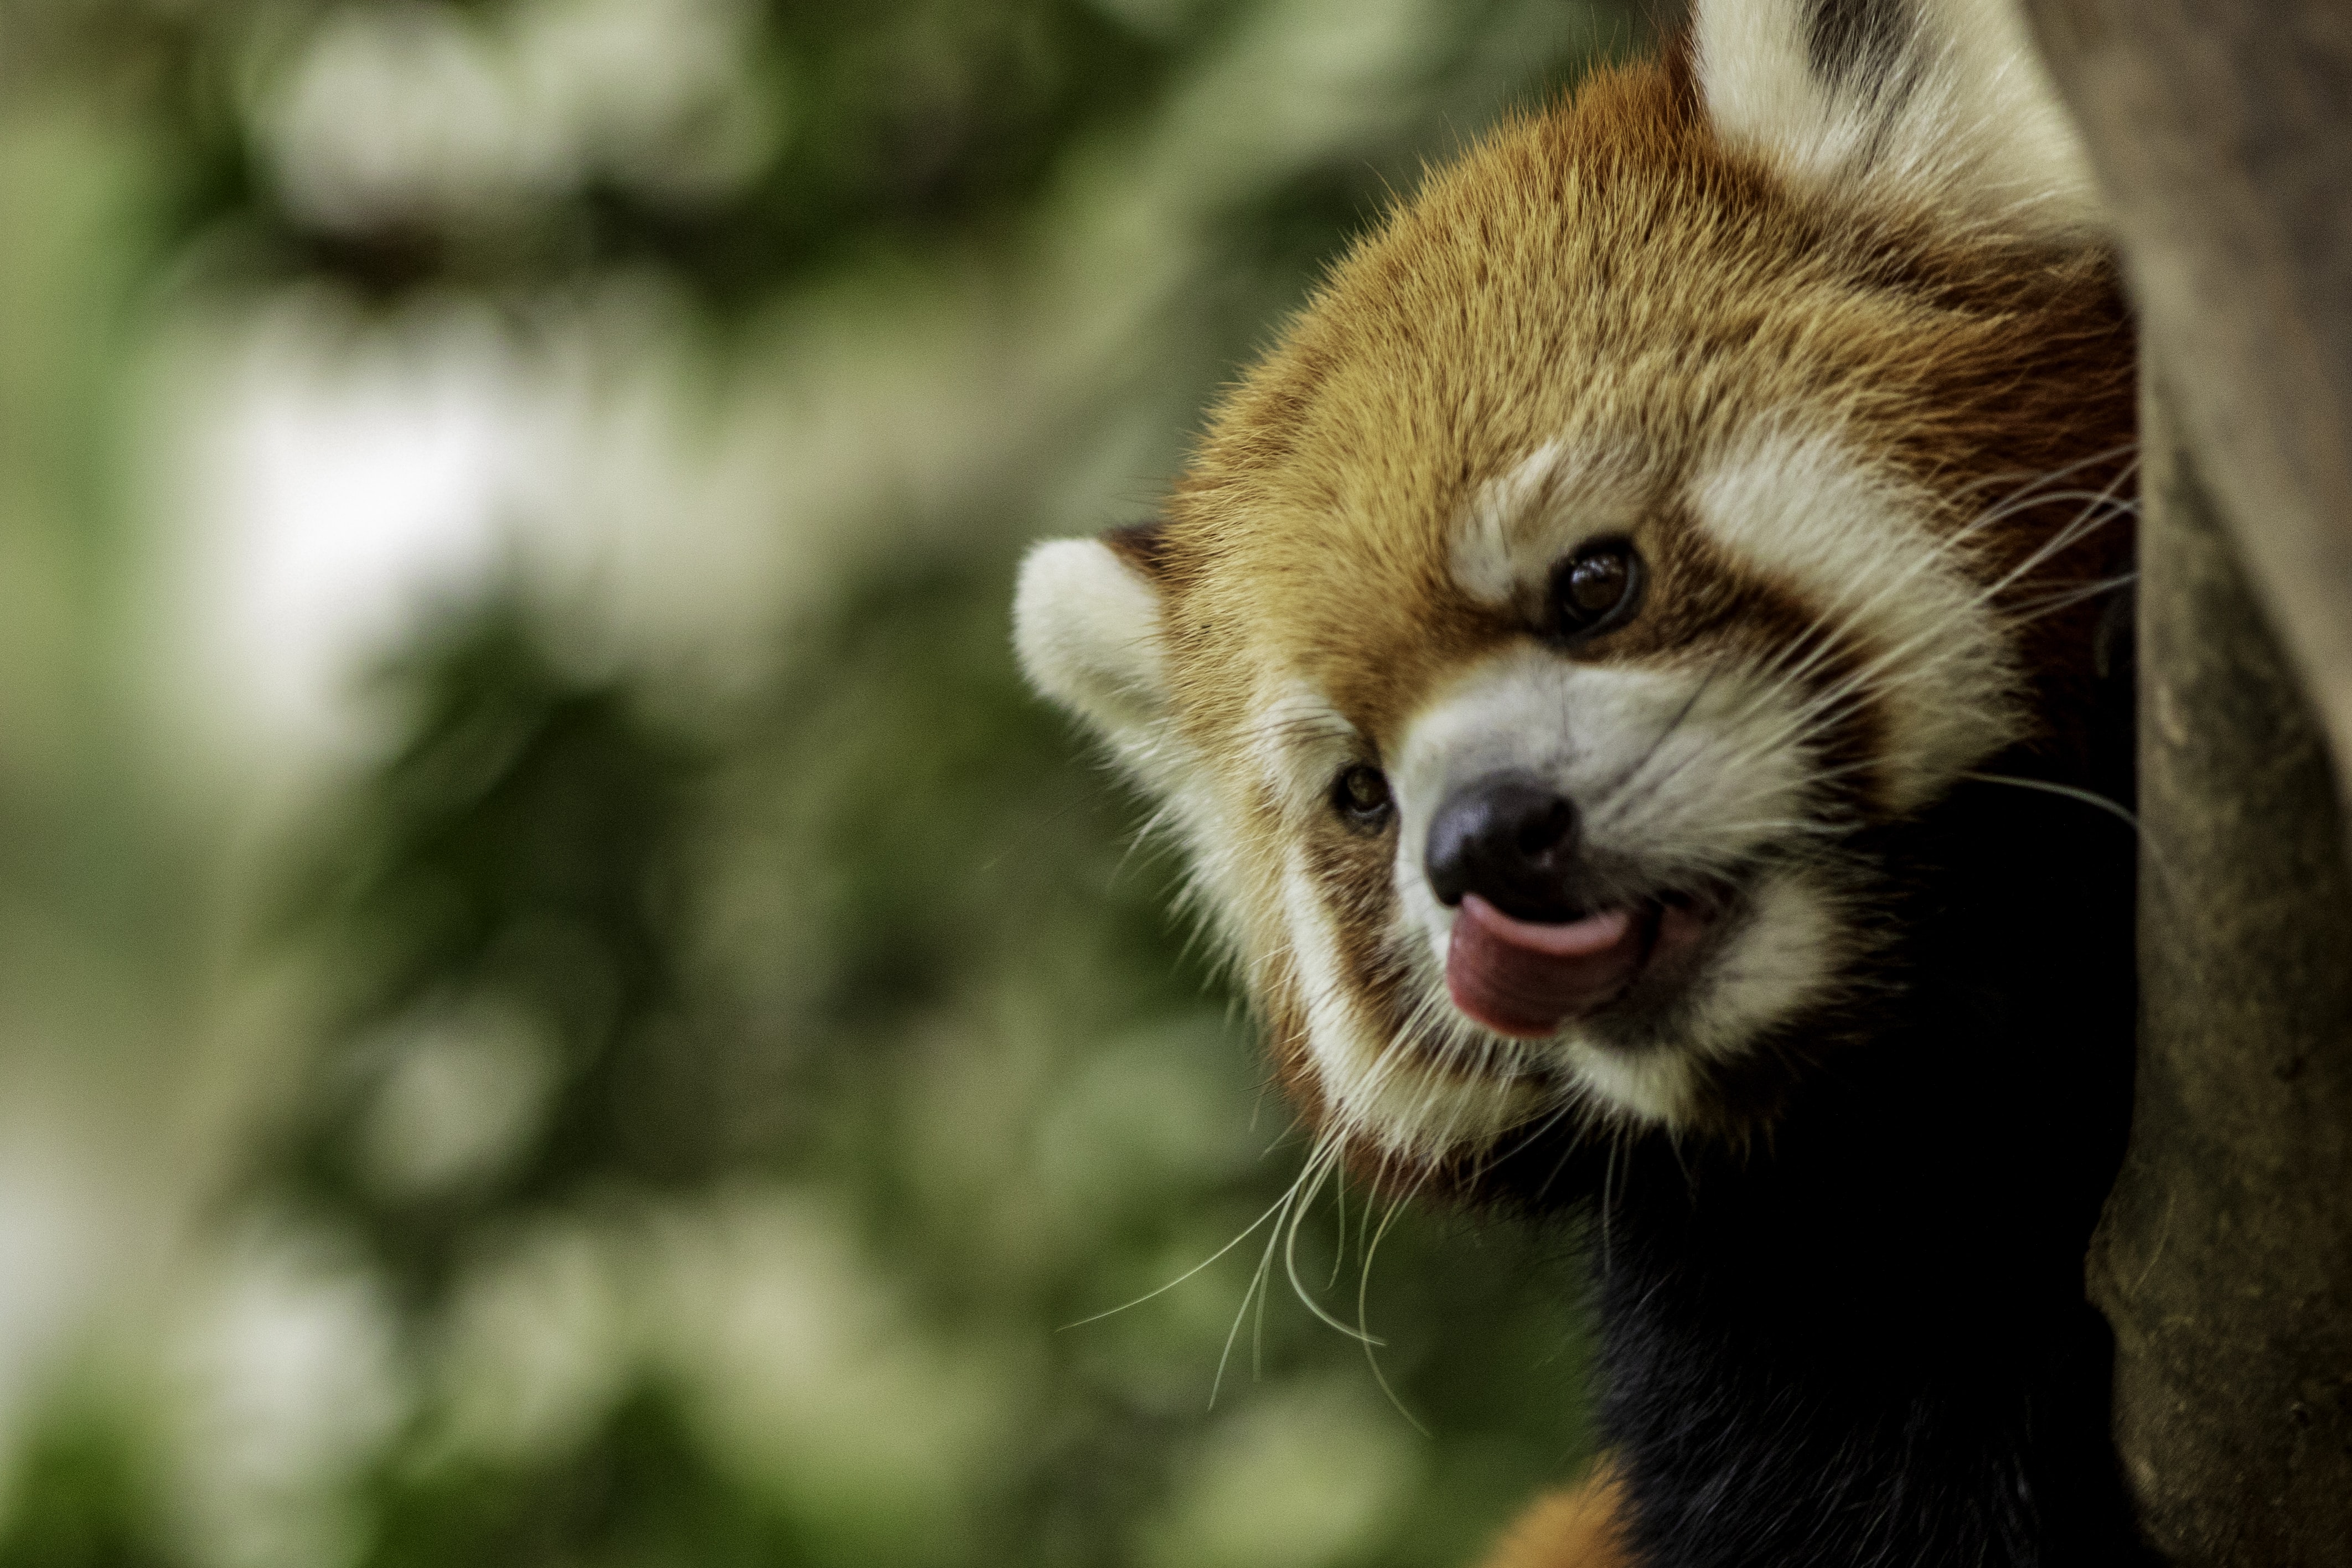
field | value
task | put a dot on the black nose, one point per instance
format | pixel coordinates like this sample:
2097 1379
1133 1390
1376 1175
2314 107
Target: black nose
1510 838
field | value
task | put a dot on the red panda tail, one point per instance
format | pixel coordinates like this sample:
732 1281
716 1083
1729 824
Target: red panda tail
1575 1527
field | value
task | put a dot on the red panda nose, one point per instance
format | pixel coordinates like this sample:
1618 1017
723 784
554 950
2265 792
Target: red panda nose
1511 839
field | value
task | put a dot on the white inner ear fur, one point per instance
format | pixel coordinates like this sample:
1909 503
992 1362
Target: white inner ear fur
1964 118
1086 627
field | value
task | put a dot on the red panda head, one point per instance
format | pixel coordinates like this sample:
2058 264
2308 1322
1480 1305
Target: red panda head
1687 486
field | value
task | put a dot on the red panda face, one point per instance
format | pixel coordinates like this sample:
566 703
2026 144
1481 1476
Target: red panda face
1630 533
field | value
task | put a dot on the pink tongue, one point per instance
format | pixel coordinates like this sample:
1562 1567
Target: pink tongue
1525 979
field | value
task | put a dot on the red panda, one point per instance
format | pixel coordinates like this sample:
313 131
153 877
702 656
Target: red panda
1628 670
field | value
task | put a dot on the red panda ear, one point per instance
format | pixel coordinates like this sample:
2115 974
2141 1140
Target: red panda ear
1086 625
1940 103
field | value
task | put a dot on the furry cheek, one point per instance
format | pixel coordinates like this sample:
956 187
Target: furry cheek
1865 553
1420 1092
1785 958
1684 772
1682 777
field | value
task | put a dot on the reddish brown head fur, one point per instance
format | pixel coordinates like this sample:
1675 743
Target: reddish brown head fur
1862 428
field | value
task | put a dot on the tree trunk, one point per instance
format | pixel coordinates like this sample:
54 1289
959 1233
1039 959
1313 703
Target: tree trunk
2221 132
2223 136
2225 1260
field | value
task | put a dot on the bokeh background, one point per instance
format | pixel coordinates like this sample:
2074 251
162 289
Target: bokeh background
559 1003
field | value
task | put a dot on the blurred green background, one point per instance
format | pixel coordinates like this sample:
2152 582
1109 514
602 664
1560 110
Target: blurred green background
561 1004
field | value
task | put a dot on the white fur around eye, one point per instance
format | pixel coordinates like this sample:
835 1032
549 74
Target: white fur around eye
1298 744
1520 523
1087 627
1858 548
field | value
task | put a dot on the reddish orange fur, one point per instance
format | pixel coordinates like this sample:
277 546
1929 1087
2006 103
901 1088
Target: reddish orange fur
1612 283
1579 1526
1608 269
1467 331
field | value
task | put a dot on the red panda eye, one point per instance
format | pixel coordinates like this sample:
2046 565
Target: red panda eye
1597 588
1361 795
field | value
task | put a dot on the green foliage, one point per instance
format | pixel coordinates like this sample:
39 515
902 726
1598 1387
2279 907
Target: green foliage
516 858
84 1499
928 1006
640 1490
750 1108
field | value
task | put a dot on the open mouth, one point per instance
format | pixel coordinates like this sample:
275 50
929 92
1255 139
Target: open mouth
1528 979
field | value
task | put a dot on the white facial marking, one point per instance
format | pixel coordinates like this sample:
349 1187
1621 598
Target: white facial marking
1395 1091
1859 550
1683 771
1298 744
1653 1086
1521 523
1785 955
1380 1087
1691 777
